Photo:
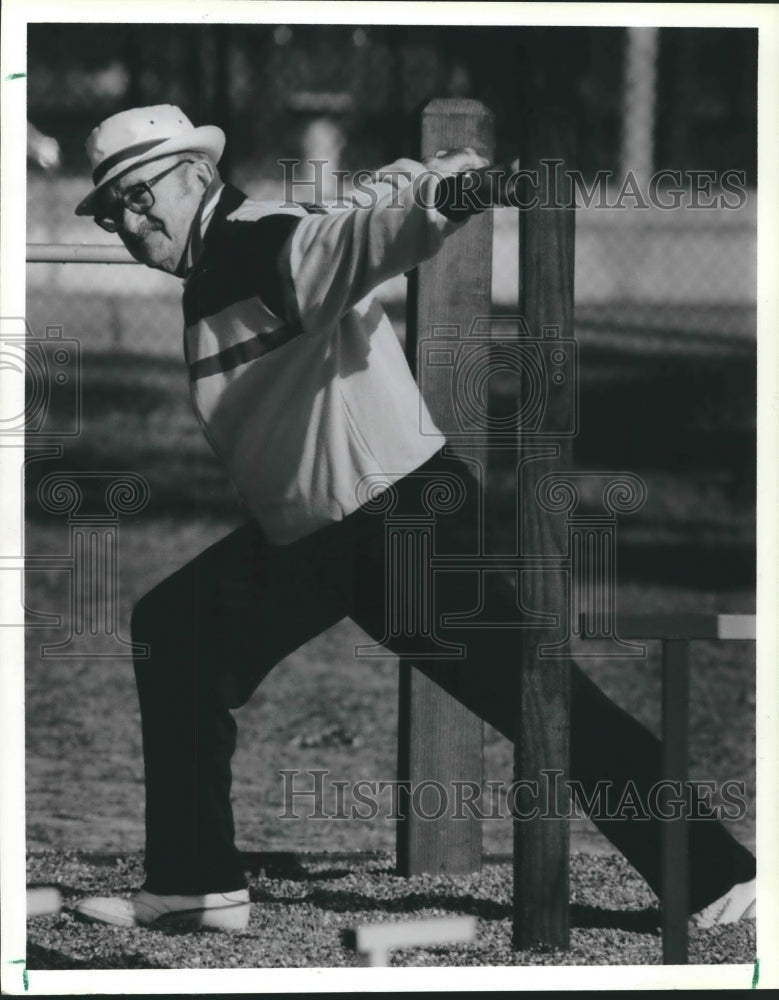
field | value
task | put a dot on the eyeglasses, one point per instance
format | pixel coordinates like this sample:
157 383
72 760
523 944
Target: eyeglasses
139 199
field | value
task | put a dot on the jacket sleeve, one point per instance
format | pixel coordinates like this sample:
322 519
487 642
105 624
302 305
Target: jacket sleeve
332 261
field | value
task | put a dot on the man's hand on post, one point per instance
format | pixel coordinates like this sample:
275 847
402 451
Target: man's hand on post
455 161
466 187
470 184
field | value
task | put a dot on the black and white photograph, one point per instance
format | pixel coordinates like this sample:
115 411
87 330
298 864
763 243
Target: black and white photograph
389 497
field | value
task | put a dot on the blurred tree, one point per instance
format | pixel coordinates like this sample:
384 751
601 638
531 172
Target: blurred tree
244 77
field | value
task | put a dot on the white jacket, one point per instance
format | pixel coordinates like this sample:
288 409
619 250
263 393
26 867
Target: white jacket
297 375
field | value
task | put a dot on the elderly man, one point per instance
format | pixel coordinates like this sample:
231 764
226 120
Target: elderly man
303 391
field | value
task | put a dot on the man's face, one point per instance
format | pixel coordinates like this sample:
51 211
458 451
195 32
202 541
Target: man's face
158 236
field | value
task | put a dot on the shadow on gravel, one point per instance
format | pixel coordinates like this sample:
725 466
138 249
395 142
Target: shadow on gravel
292 867
285 865
40 958
644 921
348 902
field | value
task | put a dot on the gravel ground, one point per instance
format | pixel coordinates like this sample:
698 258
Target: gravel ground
302 907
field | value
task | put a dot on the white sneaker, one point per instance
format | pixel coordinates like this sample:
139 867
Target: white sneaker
738 903
223 911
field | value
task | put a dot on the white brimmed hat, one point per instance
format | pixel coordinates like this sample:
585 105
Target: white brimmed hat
132 137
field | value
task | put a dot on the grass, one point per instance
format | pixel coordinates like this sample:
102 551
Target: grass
318 709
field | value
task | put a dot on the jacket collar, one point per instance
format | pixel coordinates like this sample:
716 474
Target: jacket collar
208 220
229 199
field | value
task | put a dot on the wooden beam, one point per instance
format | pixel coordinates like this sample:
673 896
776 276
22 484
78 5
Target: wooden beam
374 942
686 626
438 738
546 279
675 877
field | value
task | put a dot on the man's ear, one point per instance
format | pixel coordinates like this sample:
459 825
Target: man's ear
204 172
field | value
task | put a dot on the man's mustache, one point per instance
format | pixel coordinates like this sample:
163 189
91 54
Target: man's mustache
140 236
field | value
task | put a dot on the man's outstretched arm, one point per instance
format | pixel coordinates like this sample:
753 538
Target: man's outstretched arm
334 260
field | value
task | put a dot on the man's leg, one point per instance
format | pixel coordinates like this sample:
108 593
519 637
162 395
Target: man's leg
214 629
606 743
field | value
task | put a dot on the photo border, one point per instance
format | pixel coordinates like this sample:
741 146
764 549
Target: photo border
16 14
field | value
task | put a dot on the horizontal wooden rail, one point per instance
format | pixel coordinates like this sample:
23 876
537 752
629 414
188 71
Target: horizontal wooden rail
373 942
692 626
78 253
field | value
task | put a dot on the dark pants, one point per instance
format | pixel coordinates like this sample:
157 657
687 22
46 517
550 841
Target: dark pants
217 626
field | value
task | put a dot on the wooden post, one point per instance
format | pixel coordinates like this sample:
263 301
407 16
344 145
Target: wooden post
220 99
676 876
546 266
438 739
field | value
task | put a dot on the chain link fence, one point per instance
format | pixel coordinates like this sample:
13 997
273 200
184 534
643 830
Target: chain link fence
642 100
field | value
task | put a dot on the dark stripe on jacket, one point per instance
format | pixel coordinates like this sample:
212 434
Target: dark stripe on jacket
247 350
